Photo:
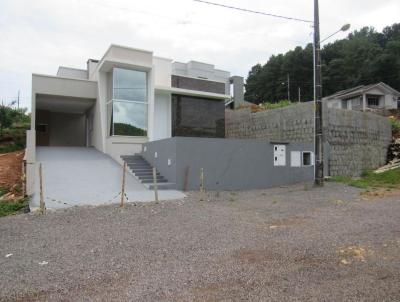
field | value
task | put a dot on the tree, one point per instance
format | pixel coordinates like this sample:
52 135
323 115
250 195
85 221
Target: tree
364 57
5 118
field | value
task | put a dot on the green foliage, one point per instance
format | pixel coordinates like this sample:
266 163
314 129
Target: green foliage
388 179
279 104
5 118
364 57
395 126
128 130
3 191
13 126
12 207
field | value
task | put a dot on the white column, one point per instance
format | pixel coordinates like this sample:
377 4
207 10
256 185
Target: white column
364 104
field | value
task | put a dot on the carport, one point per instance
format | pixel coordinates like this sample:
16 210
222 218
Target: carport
60 110
62 120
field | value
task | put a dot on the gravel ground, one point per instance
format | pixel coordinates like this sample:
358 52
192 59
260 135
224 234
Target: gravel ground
294 243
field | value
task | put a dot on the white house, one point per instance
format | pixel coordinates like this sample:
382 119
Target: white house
366 97
127 98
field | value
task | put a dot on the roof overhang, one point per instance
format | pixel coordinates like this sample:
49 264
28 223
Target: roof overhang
385 89
61 86
108 65
64 104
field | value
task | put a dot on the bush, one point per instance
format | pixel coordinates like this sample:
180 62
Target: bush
13 126
267 106
280 104
395 125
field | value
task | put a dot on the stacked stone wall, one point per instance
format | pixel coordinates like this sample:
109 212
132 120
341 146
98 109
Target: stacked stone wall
353 141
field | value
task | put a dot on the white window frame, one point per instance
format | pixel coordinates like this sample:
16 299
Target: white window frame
311 158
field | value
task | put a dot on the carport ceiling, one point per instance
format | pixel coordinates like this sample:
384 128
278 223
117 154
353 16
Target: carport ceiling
64 104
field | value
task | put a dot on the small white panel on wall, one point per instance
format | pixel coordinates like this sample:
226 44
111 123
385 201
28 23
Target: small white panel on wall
295 159
279 155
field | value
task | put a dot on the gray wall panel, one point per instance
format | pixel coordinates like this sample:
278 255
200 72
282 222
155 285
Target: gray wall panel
229 164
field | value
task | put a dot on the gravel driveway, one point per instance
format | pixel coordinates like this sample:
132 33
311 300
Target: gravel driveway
285 244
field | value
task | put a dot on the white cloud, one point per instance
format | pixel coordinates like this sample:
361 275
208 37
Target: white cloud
40 35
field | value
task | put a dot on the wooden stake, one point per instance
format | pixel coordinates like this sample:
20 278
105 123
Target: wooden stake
155 184
123 185
185 181
202 180
42 204
23 179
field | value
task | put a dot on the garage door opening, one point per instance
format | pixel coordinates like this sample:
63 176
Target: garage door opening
63 121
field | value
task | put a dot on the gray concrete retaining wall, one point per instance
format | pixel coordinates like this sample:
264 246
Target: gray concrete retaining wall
354 141
227 163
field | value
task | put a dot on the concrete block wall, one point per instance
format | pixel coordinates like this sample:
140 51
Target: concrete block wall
354 141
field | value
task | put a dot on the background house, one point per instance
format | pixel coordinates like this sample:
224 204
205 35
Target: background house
363 98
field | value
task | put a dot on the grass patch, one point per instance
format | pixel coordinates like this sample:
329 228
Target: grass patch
388 179
12 207
3 191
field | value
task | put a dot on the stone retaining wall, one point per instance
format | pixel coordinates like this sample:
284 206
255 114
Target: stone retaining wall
354 141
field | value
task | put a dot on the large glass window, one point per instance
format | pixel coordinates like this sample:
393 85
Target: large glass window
127 110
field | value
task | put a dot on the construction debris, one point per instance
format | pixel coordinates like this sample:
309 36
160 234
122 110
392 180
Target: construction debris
393 157
394 150
394 164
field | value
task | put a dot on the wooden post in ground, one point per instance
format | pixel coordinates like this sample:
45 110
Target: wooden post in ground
202 180
23 179
42 204
123 185
155 184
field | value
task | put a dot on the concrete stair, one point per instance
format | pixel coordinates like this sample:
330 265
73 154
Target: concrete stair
144 172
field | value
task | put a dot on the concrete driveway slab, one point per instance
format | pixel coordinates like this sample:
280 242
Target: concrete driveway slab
74 176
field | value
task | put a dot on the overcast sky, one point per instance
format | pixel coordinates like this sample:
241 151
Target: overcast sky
39 35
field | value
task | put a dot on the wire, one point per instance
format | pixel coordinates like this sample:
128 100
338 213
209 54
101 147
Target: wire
254 11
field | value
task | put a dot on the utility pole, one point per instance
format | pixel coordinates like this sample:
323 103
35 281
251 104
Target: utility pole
18 99
288 87
299 93
319 160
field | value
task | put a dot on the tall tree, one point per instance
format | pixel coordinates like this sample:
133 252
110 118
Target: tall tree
364 57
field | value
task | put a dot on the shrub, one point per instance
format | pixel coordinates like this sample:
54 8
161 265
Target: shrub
395 125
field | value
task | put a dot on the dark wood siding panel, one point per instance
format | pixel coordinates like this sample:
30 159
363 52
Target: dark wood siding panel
197 84
197 117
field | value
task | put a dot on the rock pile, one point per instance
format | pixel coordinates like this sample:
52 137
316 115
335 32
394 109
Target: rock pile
394 151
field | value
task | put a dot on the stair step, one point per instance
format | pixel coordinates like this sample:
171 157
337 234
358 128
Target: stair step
151 180
143 177
135 161
140 167
144 171
138 164
139 174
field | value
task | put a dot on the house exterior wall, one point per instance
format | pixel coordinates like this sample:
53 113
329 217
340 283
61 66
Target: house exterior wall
72 73
162 116
354 141
96 83
387 100
67 129
230 167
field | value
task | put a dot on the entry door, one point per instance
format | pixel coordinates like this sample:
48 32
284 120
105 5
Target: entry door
279 155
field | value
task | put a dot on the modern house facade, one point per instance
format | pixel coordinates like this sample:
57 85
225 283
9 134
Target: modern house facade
372 97
127 98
